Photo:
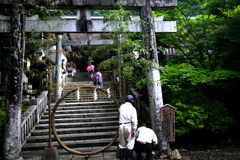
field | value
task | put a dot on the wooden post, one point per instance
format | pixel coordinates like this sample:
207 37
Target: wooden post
168 126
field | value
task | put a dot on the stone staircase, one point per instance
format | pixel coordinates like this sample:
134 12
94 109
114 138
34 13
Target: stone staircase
83 124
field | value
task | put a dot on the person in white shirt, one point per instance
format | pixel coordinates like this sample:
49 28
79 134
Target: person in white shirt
144 139
127 127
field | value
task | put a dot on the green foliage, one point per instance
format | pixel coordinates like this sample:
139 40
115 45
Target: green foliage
107 12
214 6
43 42
24 109
45 13
130 52
226 38
186 88
206 115
100 12
141 87
188 118
195 76
48 11
99 52
107 64
2 122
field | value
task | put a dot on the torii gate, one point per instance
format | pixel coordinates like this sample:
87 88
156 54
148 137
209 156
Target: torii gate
83 24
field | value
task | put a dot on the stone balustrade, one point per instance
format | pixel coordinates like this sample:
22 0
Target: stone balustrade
31 117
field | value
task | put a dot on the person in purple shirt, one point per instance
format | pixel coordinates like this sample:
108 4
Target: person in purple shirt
97 79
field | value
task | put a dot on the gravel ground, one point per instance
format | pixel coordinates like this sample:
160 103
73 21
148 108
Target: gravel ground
210 155
185 155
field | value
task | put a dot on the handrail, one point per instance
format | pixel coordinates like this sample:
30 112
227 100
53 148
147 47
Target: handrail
31 117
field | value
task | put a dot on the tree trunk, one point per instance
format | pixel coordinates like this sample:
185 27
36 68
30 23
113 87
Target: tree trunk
12 134
153 74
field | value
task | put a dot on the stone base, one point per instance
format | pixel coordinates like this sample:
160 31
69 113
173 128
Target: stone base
50 154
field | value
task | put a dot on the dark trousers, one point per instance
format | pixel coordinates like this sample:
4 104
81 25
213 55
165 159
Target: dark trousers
147 148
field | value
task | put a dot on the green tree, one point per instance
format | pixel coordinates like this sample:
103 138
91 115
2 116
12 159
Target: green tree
196 111
129 51
197 80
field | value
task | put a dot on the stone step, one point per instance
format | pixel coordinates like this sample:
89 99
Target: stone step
86 103
86 100
87 97
79 124
81 115
34 153
80 111
83 125
78 84
85 107
71 144
73 120
41 132
88 94
90 90
87 90
73 136
72 94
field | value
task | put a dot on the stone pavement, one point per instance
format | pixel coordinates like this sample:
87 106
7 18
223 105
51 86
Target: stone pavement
100 156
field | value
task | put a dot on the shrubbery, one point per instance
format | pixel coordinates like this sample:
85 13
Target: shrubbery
2 122
196 109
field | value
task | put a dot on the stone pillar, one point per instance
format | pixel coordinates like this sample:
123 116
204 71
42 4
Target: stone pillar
83 16
58 90
12 134
152 72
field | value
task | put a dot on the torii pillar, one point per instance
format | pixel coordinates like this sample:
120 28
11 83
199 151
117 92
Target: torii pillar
12 133
58 67
153 74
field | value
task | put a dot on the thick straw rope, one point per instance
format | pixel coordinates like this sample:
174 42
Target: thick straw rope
53 123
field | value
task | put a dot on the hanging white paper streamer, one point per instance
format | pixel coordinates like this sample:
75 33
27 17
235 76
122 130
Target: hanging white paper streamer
108 93
78 95
95 94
